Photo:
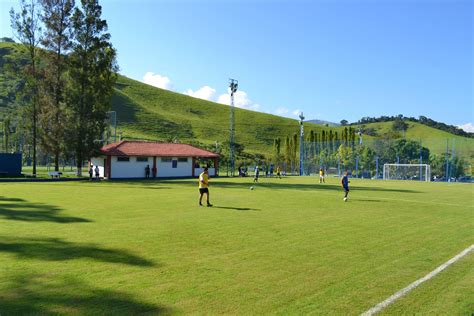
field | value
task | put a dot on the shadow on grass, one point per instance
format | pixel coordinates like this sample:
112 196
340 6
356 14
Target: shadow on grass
42 295
54 249
22 210
154 185
370 201
288 186
236 208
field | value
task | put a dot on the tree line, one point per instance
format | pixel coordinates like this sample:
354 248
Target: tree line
329 149
315 144
66 80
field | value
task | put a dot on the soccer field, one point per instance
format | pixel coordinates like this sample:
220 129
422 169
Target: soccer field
290 246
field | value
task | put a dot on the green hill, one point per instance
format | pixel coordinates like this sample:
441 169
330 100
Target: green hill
432 138
146 112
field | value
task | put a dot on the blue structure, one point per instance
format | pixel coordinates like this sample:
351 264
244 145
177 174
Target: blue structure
10 165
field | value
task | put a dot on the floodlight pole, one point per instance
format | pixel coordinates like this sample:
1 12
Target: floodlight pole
115 125
301 143
447 160
421 160
338 165
357 167
233 85
377 167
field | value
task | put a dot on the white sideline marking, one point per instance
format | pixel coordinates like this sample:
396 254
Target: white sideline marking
377 308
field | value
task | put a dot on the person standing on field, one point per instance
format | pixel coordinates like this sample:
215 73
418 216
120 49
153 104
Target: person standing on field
91 172
97 172
345 185
321 175
257 173
204 186
147 172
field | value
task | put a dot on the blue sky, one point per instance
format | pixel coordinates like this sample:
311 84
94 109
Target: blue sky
333 60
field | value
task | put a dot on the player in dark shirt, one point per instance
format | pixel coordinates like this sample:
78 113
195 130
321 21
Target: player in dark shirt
345 185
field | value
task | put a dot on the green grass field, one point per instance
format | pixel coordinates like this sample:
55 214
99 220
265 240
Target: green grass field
290 246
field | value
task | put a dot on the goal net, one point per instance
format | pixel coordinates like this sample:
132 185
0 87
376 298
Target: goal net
395 171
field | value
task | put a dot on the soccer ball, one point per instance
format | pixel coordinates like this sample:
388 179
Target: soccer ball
345 199
251 188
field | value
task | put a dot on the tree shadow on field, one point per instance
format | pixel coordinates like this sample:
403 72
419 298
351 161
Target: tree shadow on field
42 295
289 186
236 208
55 249
365 200
22 210
112 185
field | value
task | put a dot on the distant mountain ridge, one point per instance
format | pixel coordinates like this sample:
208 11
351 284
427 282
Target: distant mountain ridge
323 122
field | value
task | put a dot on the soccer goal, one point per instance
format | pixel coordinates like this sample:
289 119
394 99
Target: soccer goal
398 171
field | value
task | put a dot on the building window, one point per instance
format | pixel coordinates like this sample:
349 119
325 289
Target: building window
175 164
185 159
123 159
166 159
142 159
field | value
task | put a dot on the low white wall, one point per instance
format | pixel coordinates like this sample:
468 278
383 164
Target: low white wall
165 169
99 161
197 171
131 168
136 169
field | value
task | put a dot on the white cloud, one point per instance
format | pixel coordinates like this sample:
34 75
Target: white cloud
241 100
468 127
296 112
206 93
282 111
157 80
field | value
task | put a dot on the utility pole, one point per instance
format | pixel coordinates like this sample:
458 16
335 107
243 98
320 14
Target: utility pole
447 160
377 167
233 85
453 155
301 143
115 124
421 160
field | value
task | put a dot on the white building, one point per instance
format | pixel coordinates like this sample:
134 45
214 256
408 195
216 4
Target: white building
129 160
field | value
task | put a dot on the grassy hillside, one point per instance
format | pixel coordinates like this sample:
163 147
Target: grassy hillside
432 138
146 112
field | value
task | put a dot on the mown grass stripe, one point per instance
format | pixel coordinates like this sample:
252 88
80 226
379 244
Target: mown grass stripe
380 306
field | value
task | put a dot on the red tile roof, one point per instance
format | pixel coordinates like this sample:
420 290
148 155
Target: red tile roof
152 149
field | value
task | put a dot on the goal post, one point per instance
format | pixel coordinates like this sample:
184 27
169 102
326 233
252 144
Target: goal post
398 171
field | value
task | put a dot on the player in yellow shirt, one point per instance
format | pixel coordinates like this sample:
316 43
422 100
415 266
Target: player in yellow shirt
204 186
321 175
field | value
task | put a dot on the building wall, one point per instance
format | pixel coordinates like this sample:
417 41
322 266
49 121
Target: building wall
165 169
197 171
129 169
136 169
98 161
